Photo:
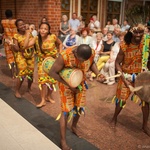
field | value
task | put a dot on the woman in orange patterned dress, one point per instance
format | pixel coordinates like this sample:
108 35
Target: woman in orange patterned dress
45 47
24 56
9 31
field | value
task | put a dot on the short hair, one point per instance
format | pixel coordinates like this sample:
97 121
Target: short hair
84 51
74 13
110 32
64 16
44 17
16 22
100 34
126 20
122 33
8 13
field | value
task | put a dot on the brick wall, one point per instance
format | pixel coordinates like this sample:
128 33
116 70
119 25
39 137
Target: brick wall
32 11
6 4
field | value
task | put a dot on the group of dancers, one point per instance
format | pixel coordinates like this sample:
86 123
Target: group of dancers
22 46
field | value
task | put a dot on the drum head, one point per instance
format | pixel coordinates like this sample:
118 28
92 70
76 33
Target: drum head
143 79
76 78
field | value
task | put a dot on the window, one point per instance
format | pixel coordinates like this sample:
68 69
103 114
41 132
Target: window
88 9
65 7
113 10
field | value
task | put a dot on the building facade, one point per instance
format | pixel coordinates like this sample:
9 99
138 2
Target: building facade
32 11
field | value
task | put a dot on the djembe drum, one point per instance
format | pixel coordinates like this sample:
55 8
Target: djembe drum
72 76
143 79
47 64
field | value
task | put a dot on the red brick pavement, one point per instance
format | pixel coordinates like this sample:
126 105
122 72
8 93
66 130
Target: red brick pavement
95 125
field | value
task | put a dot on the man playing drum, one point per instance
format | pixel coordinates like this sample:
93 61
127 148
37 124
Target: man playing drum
72 99
131 60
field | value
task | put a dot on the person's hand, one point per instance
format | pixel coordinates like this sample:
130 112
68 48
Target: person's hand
101 52
65 32
28 32
9 41
101 78
74 90
110 60
127 83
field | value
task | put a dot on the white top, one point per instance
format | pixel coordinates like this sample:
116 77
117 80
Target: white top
87 40
114 51
77 42
112 27
124 28
97 24
96 47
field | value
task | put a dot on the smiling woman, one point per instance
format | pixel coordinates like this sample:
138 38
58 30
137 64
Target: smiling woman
24 56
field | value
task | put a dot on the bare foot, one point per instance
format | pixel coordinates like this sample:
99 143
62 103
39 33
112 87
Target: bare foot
13 77
29 91
113 123
146 131
17 95
41 104
91 78
50 100
64 146
76 132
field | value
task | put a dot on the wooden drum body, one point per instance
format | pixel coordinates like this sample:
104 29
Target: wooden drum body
143 79
47 64
72 76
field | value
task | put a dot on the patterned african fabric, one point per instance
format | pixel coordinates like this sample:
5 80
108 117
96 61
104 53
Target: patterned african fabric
48 50
131 64
9 31
24 58
133 58
146 49
69 100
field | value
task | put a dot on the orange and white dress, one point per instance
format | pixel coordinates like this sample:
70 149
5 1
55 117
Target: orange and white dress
9 31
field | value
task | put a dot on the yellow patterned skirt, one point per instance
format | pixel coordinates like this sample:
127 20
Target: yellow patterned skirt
25 66
43 77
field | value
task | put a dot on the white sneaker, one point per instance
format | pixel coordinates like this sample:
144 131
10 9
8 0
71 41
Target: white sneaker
111 83
107 81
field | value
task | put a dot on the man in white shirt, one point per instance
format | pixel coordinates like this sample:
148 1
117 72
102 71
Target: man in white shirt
114 24
74 22
125 26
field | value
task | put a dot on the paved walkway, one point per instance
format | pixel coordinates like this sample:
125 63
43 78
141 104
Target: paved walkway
24 127
2 51
18 134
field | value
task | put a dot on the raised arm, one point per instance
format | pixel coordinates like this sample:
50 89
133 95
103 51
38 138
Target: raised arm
27 42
